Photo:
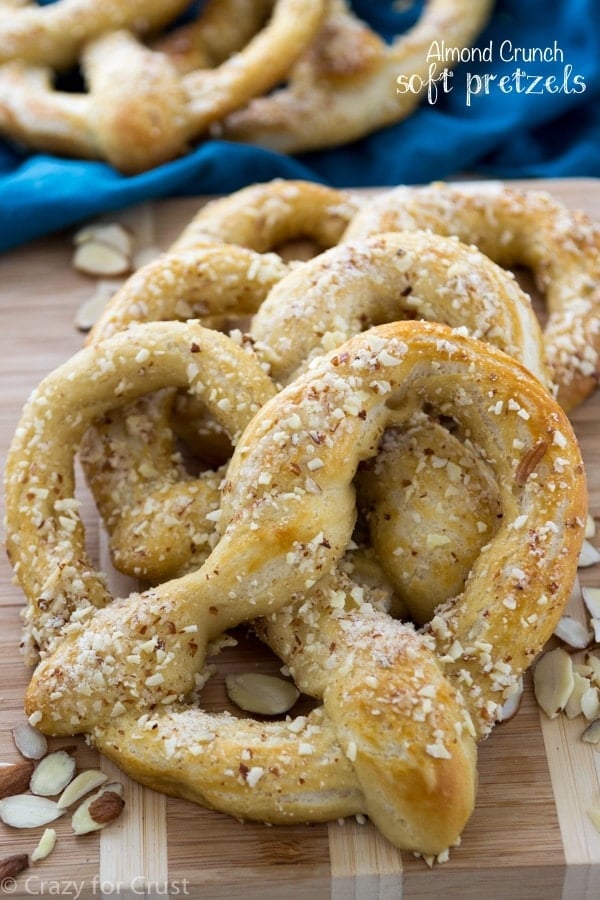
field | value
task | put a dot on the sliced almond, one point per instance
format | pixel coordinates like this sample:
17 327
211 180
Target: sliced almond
28 811
588 555
511 704
52 774
90 310
591 735
591 598
593 661
45 846
10 867
573 706
30 742
595 623
14 777
573 633
99 810
590 527
81 785
590 703
111 233
553 681
100 259
267 695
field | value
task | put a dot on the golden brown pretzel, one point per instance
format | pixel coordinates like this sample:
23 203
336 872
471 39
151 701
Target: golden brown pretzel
263 216
309 311
346 84
532 228
139 111
388 277
121 673
54 34
205 362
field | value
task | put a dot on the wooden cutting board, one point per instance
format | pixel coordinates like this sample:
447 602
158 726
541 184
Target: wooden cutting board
530 836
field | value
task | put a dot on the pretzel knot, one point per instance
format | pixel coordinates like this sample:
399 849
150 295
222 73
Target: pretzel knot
139 111
401 709
514 228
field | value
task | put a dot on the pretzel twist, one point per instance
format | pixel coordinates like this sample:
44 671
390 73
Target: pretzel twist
139 111
562 248
53 35
345 84
321 303
122 673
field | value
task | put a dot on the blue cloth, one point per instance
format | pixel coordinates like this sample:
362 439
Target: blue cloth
541 123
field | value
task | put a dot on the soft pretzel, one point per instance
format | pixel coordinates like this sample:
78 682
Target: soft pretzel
122 673
54 34
264 216
139 111
532 228
347 84
207 363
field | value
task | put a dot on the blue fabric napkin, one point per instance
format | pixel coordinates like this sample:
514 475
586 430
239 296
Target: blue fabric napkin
529 107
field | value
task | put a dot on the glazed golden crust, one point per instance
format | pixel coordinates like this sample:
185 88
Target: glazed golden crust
291 478
345 84
561 246
139 111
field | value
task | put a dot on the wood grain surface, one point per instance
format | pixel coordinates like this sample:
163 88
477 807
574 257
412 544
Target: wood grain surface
530 836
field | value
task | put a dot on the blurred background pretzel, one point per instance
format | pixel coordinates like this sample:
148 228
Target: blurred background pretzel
53 35
139 111
345 85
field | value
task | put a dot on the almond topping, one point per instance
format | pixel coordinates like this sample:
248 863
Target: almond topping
80 786
100 259
52 774
512 704
573 633
99 810
14 777
30 742
530 462
588 555
111 233
266 695
28 811
45 846
553 681
591 598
